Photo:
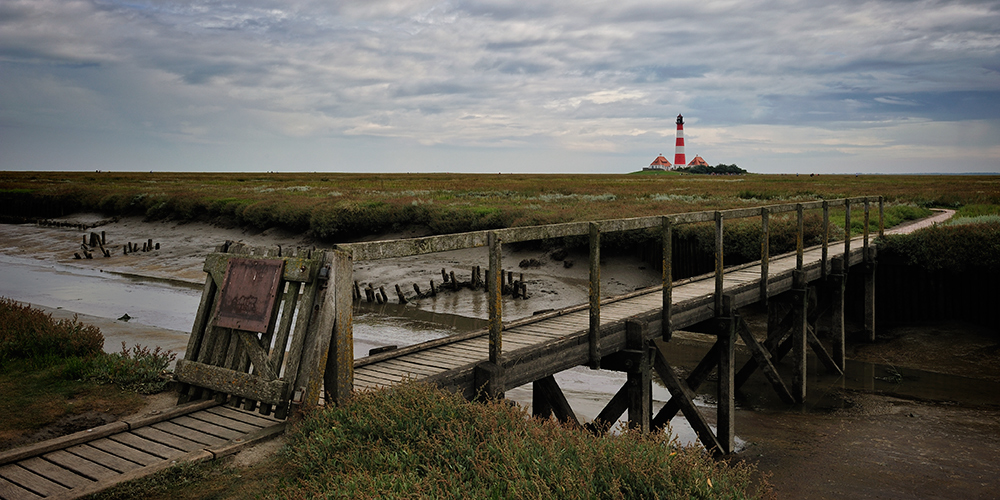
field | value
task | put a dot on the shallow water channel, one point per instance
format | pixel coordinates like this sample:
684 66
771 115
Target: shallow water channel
171 306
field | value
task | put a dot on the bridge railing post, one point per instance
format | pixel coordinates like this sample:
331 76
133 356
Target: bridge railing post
726 410
495 287
765 251
668 279
719 268
800 331
826 238
594 335
865 245
799 236
881 217
837 324
847 233
338 377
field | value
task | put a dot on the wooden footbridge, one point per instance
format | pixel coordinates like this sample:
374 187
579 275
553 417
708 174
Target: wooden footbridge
273 336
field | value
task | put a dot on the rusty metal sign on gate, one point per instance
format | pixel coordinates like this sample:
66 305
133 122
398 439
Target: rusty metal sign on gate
249 293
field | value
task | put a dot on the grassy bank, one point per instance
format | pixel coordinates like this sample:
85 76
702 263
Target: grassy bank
55 373
339 207
970 241
413 441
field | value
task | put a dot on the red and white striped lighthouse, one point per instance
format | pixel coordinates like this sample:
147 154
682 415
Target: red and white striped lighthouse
679 152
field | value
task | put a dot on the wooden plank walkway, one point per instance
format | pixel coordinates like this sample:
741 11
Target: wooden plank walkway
92 460
546 344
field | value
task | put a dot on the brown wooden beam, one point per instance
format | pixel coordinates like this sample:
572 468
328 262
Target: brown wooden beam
694 381
547 398
685 397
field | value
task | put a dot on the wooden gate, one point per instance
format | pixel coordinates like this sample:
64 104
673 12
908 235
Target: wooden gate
262 335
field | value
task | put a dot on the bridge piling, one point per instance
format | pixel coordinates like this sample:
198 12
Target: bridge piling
869 298
639 377
594 337
837 284
726 408
800 328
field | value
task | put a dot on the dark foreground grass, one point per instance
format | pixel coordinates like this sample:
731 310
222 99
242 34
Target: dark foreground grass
414 441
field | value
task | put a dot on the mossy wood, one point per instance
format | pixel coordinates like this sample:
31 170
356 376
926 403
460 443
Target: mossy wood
281 359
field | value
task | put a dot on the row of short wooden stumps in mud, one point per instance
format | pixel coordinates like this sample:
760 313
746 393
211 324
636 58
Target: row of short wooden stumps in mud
95 243
450 283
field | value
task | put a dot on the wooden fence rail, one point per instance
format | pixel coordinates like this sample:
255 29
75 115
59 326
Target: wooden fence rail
493 239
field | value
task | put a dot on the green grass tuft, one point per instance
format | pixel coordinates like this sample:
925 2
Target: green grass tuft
414 441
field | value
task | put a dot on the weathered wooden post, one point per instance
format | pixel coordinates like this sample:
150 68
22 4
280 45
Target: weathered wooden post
800 331
639 380
826 238
865 244
799 236
594 336
726 422
668 279
719 268
847 233
765 252
881 217
870 293
338 378
489 376
837 284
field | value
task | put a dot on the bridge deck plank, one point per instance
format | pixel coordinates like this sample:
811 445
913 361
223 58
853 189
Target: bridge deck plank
31 481
136 441
127 452
55 473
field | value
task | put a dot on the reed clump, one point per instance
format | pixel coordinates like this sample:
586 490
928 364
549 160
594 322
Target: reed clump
415 441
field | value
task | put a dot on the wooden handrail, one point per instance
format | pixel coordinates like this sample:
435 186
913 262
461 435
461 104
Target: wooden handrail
375 250
390 249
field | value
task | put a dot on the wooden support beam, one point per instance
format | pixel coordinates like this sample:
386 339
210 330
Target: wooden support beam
761 358
640 381
666 329
799 333
338 378
826 239
837 285
594 336
726 405
719 268
489 381
881 217
685 398
694 381
495 287
869 298
547 398
865 240
799 237
847 231
765 252
821 353
611 412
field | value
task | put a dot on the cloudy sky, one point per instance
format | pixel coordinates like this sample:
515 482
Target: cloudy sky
498 85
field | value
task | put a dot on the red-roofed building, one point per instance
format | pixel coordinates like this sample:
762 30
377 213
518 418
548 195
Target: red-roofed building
660 163
698 161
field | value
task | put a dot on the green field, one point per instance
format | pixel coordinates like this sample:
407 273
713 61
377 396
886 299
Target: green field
339 207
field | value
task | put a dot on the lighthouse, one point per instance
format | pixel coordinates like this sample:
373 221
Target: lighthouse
679 151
